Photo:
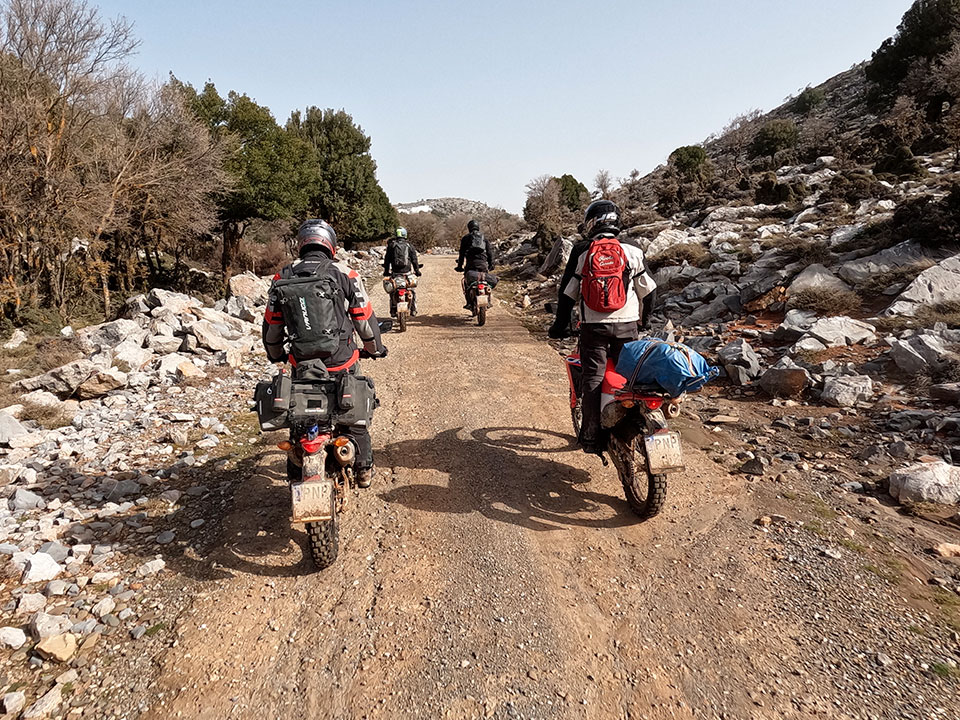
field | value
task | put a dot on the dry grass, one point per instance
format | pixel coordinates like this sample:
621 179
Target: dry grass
798 249
927 316
47 416
827 301
901 275
691 253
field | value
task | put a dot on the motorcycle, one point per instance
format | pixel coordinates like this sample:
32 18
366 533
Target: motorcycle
479 298
400 288
643 448
319 456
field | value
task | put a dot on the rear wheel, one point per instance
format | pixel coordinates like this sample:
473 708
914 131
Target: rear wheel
646 493
576 414
481 315
324 540
401 321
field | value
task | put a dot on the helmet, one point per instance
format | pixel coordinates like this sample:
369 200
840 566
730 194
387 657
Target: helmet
401 232
316 234
601 216
473 226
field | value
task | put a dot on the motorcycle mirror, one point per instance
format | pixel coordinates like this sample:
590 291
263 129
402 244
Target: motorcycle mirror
385 325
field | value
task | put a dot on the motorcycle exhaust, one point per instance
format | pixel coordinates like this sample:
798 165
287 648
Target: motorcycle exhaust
345 452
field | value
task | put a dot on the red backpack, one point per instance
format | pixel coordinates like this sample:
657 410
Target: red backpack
602 284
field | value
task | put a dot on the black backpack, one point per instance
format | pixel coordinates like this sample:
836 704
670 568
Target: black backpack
314 309
400 256
478 242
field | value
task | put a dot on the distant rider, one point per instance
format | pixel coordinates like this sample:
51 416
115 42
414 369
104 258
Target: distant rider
476 258
604 328
401 259
317 244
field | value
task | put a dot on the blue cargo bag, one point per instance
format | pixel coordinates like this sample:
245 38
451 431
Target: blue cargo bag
667 367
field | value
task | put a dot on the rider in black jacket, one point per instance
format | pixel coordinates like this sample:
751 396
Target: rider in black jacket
476 257
317 247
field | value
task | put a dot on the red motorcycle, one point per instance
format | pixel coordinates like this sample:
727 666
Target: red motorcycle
479 298
403 297
641 444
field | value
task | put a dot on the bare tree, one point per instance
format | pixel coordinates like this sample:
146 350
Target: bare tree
542 210
603 182
90 158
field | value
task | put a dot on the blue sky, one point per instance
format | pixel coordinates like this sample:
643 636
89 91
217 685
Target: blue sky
475 100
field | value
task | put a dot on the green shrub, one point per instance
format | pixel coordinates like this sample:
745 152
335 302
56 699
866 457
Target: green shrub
774 137
933 223
852 186
771 191
692 163
900 164
810 99
926 30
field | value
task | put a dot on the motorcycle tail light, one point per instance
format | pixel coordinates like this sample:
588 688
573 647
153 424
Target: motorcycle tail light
653 403
481 288
285 445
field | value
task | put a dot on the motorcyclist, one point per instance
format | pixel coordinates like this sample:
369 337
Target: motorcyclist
602 333
401 259
317 246
476 258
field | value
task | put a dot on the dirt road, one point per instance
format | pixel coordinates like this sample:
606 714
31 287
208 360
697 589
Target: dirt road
492 570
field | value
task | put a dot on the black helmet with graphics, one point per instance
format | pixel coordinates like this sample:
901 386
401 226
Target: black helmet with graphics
601 216
316 234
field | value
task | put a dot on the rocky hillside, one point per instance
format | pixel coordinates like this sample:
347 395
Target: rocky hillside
445 207
849 304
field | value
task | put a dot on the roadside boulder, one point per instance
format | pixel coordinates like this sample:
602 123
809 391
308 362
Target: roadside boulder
178 303
40 567
740 361
130 356
109 335
936 482
18 338
250 286
937 285
816 277
101 383
847 391
10 428
795 325
842 330
784 381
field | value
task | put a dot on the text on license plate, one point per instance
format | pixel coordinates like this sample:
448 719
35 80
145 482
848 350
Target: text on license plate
312 501
664 453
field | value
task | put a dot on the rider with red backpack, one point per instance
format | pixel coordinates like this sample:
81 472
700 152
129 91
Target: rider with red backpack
615 291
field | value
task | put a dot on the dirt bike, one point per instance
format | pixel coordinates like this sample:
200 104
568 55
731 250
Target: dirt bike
479 298
320 456
642 447
403 297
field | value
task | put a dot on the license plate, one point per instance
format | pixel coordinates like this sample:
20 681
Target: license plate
482 301
312 500
664 453
402 306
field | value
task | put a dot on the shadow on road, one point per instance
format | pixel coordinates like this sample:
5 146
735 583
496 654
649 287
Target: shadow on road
492 472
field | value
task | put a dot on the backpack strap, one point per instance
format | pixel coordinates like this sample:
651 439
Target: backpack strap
643 359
